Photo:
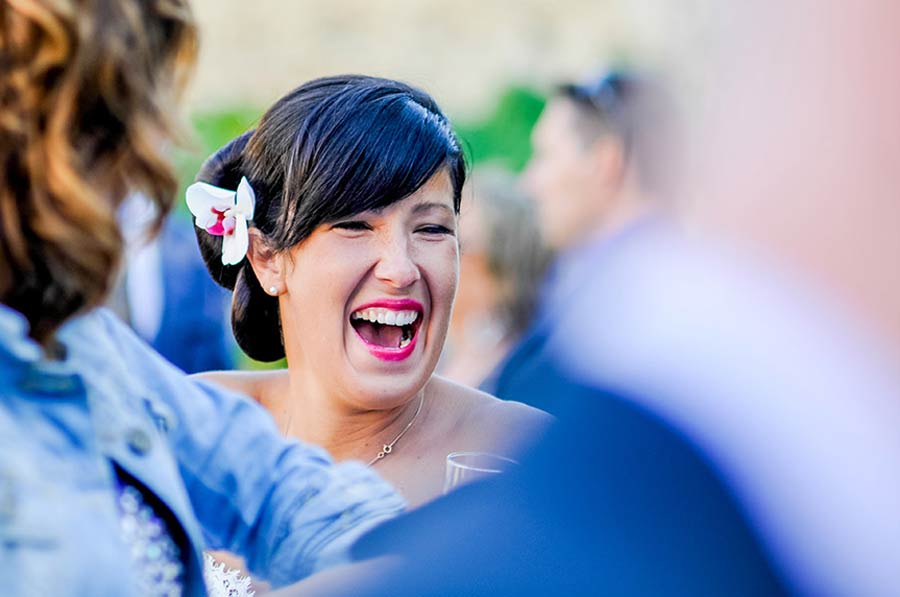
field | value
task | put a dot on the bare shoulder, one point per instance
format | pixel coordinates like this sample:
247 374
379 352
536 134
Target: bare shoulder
502 422
256 384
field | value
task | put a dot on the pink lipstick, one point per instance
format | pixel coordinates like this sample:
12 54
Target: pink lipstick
389 328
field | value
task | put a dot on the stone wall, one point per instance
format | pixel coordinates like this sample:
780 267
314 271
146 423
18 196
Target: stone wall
463 51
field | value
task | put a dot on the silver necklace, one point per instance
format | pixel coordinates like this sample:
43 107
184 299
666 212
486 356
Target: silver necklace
388 448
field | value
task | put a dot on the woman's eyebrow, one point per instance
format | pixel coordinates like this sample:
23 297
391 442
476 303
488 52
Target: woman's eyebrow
428 205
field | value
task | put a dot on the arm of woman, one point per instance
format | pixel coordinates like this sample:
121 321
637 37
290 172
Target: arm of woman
284 506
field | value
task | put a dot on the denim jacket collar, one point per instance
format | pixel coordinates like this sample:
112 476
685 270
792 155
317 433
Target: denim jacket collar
14 338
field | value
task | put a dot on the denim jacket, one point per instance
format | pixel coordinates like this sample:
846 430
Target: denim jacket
213 458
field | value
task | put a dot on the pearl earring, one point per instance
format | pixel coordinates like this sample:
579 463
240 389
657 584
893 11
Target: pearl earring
273 290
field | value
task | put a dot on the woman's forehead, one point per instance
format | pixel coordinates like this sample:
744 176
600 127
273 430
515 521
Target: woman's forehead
438 189
436 195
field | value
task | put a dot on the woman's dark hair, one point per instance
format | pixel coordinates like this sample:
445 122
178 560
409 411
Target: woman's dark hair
332 148
86 92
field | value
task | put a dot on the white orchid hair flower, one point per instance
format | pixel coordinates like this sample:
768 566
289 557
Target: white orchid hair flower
224 213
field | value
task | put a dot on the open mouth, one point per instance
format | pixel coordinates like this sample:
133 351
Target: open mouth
387 330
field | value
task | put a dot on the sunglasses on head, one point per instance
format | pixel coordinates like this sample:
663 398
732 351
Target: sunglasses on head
605 93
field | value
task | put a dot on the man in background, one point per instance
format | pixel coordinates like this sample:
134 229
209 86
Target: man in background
591 187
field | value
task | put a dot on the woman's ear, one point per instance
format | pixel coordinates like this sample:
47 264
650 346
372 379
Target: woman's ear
607 156
268 264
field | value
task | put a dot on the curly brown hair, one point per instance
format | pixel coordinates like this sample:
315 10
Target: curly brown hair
87 99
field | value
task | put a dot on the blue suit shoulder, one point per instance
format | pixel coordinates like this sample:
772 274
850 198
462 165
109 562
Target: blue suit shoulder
195 331
612 501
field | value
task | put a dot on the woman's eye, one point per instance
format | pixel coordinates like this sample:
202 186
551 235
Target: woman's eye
435 229
352 225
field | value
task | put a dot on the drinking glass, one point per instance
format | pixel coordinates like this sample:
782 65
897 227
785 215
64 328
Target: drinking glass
465 467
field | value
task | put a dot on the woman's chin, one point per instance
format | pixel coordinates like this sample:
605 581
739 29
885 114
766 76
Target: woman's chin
395 360
384 394
385 379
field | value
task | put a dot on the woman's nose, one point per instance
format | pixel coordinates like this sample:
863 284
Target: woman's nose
396 265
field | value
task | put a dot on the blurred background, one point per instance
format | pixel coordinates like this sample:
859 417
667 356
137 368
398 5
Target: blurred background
487 62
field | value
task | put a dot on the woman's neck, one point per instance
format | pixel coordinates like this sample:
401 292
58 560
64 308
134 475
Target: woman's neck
310 412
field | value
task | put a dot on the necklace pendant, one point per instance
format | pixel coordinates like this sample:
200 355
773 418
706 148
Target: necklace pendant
388 448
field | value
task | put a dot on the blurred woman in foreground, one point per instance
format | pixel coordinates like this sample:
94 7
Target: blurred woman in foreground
115 469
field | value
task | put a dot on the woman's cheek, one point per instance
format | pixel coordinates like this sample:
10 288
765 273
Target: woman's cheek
445 258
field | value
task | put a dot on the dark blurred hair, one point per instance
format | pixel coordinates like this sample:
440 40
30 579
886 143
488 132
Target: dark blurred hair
86 96
332 148
635 108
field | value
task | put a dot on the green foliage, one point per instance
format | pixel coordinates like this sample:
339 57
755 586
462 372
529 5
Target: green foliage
211 130
247 364
503 137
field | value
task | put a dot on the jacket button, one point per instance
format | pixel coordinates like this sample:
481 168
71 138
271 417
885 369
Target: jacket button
138 441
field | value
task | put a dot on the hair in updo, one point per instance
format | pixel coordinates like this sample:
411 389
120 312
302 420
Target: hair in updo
332 148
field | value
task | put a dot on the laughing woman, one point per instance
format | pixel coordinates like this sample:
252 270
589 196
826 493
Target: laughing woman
335 224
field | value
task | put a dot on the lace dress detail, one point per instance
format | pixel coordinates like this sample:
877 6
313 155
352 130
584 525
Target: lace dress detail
155 556
224 582
157 559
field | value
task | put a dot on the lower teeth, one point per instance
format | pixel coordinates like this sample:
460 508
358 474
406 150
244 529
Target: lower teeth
405 338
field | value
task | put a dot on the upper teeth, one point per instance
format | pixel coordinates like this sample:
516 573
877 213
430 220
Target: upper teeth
386 316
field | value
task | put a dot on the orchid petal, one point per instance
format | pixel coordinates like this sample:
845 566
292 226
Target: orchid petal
207 221
245 199
224 213
216 229
228 224
215 194
234 246
202 198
